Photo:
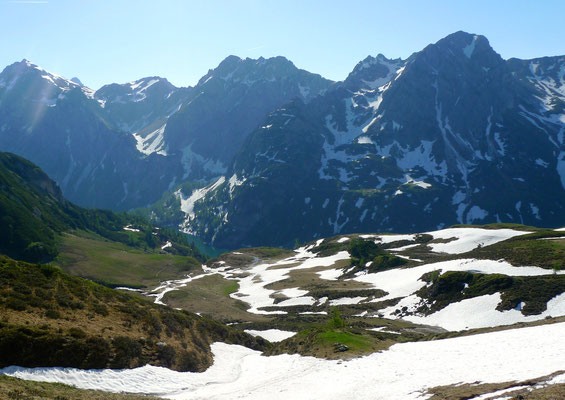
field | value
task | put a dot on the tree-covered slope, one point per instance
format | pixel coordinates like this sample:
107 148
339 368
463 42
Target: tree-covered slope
33 214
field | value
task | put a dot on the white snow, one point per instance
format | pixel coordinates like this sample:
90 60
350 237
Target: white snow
330 274
535 210
293 292
154 142
187 205
404 371
129 228
384 239
272 335
234 182
189 158
364 140
422 184
314 313
166 245
476 213
297 301
541 163
402 282
347 300
467 239
402 248
343 239
480 312
169 286
470 48
255 279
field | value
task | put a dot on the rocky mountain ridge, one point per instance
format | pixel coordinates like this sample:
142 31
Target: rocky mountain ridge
453 134
116 148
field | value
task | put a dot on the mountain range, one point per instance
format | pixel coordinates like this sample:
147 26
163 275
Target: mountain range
452 134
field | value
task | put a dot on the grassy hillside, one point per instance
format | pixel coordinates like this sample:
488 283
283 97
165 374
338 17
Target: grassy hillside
543 248
33 214
52 319
116 264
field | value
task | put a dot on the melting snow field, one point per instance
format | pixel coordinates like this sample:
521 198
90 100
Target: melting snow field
272 335
477 312
468 239
253 287
403 282
480 312
404 371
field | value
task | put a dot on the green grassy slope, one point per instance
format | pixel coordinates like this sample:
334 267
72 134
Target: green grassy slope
33 214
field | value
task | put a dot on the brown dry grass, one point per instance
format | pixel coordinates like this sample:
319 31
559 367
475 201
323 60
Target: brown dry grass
18 389
209 296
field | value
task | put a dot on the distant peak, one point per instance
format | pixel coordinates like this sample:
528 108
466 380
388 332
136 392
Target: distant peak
373 72
229 62
77 81
465 43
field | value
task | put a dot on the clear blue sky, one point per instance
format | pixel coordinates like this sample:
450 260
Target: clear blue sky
104 41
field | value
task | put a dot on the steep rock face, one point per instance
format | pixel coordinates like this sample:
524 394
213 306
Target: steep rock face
228 103
453 134
60 126
123 146
142 108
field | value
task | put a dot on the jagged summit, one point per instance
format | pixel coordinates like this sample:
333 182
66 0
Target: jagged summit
373 72
461 47
249 70
25 68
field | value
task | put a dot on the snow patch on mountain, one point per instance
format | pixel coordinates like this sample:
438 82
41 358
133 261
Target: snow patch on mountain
272 335
561 167
189 158
234 182
394 67
404 282
467 239
478 312
187 204
154 142
470 48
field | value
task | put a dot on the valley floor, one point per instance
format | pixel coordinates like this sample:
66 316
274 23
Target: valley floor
405 371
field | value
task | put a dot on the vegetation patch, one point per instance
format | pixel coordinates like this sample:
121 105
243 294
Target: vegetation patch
454 286
19 389
539 248
368 256
61 320
329 248
531 389
33 215
334 338
210 296
115 264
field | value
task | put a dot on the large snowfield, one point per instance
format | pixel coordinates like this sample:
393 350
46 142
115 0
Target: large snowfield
402 283
404 371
